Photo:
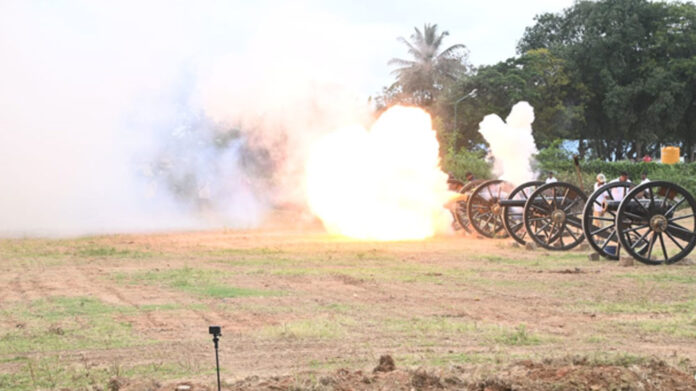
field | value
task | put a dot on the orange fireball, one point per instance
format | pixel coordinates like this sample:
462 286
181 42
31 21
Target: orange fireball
382 184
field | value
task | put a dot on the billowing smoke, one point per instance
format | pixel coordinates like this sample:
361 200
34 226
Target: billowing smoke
154 115
511 143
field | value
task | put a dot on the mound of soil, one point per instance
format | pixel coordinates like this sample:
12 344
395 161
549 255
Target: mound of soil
526 375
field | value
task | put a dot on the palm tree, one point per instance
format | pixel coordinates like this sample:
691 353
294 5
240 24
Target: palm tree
423 77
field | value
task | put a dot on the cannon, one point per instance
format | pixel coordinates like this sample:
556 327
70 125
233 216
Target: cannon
481 210
460 204
513 208
552 216
496 209
654 222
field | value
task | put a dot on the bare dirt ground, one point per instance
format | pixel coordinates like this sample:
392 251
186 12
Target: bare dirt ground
301 309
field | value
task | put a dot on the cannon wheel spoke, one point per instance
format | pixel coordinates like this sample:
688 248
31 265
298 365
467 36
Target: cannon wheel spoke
513 217
601 230
540 216
664 200
662 244
483 208
669 235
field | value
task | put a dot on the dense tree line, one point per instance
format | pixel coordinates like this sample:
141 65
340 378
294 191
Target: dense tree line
617 76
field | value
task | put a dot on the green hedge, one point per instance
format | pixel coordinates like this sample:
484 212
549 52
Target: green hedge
683 174
560 161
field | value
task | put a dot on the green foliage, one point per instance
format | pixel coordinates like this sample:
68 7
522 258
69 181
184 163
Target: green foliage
466 161
538 77
617 75
634 59
420 79
552 157
559 160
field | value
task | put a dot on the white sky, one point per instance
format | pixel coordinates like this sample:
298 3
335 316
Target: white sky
358 37
490 29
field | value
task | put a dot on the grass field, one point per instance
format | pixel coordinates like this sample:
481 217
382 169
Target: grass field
76 313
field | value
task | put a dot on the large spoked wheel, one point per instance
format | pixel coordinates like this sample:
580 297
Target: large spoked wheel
484 210
512 215
460 211
656 223
599 218
552 216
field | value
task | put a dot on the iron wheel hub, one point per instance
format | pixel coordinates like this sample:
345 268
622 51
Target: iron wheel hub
558 216
658 223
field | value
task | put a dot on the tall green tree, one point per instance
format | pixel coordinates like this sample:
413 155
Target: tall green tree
635 60
420 80
537 76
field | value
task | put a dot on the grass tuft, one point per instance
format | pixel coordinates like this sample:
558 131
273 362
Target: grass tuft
519 337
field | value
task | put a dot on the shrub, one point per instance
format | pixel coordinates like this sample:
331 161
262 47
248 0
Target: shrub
459 163
555 158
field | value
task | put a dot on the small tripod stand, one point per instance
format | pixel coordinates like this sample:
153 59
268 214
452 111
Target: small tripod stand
216 332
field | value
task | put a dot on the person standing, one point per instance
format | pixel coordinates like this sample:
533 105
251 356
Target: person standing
598 207
601 181
551 178
618 193
644 177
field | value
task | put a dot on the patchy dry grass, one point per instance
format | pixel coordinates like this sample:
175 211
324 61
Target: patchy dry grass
74 313
50 372
65 323
209 283
333 327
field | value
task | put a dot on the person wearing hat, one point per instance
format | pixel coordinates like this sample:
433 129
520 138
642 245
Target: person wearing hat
601 181
598 207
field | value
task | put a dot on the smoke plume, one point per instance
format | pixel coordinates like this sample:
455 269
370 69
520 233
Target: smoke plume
140 116
511 143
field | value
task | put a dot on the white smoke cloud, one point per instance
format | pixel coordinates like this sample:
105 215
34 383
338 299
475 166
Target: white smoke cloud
511 143
135 116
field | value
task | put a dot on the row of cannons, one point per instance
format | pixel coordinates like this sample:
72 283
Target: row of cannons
654 222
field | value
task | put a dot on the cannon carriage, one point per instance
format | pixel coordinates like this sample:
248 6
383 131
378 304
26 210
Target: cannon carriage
653 222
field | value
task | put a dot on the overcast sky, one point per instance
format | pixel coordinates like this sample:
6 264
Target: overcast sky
490 28
354 39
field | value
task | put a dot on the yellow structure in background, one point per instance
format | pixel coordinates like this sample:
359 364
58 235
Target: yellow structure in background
670 155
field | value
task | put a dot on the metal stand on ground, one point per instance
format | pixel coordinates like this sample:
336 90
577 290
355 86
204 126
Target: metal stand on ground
216 332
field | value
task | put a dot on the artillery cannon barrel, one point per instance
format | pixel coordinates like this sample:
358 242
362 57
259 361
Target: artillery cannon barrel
519 203
537 200
614 204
